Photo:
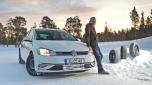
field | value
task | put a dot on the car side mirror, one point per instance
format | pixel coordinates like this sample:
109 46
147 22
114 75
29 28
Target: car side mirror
27 40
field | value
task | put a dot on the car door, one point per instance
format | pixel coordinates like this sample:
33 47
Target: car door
26 45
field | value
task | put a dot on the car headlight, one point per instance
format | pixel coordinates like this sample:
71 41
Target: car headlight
46 52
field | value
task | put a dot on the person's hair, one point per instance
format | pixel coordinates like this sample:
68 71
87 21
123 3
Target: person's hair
92 18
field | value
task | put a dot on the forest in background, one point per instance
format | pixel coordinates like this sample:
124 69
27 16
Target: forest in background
14 30
141 27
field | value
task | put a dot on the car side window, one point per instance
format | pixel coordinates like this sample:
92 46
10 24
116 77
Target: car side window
26 37
27 34
30 35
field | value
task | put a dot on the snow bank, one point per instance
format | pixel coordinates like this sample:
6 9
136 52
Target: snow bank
138 68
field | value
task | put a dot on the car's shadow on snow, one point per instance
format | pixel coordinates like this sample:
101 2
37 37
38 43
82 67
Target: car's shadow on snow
66 75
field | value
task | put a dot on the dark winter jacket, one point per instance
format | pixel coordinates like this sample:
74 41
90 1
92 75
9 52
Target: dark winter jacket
90 35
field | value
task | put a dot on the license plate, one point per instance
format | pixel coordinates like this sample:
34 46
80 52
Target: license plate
73 67
76 60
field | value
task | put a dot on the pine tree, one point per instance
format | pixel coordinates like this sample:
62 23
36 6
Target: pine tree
142 22
46 22
151 18
134 17
148 22
73 26
106 30
2 35
135 20
34 26
15 29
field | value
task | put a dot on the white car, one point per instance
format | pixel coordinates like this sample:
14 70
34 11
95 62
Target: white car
54 50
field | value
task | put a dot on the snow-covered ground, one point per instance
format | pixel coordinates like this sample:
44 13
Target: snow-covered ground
136 71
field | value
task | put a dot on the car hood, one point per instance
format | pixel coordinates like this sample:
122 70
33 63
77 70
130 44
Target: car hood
64 46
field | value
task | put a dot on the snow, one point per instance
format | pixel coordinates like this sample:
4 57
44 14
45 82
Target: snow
128 71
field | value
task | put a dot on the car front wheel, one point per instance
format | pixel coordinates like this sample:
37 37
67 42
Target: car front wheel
30 65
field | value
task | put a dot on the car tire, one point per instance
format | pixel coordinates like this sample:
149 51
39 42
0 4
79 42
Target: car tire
134 50
20 60
114 57
123 52
30 65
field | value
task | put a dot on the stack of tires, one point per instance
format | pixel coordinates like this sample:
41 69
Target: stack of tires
114 57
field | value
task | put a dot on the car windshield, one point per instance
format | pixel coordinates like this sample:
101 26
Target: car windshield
53 35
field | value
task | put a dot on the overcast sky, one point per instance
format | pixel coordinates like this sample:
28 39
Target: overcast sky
115 12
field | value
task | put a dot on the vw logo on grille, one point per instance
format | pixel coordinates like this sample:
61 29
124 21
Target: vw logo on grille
74 53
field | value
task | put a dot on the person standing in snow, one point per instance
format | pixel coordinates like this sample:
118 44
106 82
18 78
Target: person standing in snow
92 44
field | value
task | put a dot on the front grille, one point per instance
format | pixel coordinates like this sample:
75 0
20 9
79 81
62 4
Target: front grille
82 53
70 53
56 67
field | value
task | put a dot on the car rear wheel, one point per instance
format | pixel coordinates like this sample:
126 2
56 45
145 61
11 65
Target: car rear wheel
30 65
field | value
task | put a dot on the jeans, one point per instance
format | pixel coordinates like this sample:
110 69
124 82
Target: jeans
98 55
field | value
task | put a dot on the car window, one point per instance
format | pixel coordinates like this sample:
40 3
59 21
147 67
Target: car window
29 35
53 35
26 37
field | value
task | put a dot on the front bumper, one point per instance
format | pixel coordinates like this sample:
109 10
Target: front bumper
47 67
57 64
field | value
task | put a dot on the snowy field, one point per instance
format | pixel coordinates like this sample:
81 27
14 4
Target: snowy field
136 71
